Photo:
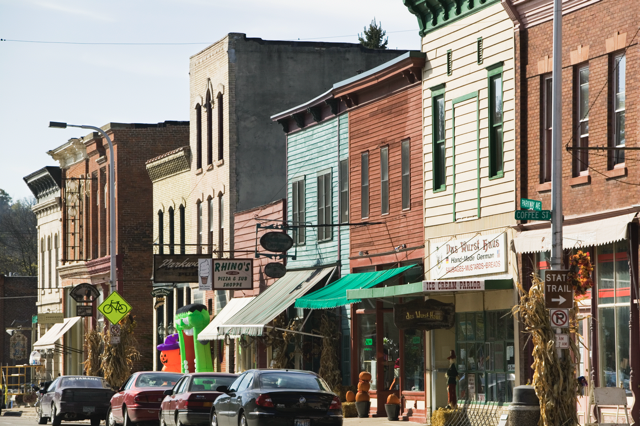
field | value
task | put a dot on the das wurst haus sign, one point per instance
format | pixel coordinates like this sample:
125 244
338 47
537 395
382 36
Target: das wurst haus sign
483 254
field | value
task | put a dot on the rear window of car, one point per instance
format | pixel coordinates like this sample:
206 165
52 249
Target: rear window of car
210 383
84 382
152 380
292 381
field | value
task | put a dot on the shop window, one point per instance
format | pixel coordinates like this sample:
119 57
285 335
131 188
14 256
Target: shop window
367 345
613 281
390 350
486 355
414 356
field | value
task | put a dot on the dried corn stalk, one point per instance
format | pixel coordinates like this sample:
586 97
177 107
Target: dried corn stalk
95 345
117 360
554 379
329 365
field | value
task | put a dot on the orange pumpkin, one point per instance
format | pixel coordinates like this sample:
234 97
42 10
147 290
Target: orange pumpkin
393 399
362 396
364 386
365 376
350 396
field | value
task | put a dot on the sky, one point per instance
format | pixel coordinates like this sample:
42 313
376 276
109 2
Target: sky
74 61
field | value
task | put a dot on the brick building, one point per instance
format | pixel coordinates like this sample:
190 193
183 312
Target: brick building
85 218
601 188
17 306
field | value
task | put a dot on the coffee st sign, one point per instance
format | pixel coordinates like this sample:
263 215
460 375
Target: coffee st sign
424 315
480 255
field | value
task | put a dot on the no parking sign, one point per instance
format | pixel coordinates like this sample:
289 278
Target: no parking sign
559 318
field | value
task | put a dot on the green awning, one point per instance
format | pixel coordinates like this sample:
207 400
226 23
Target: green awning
252 319
335 294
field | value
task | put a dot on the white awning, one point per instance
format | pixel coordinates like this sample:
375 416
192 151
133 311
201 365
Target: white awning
594 233
56 332
234 306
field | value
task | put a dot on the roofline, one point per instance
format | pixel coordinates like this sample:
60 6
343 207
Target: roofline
303 107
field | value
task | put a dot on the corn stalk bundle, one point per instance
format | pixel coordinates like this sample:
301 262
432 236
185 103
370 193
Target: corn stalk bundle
279 340
329 366
95 345
554 378
118 359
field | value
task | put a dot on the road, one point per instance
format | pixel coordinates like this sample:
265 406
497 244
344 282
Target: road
32 421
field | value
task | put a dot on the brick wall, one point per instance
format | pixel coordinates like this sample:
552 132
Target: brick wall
18 304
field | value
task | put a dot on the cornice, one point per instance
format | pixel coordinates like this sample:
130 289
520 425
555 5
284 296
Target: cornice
169 164
435 14
69 153
530 13
49 206
73 270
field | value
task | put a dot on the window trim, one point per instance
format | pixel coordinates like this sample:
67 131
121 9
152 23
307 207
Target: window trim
182 230
220 108
546 83
405 161
436 169
299 209
172 233
343 178
382 182
198 136
326 210
492 72
615 60
199 226
209 111
578 120
160 232
364 214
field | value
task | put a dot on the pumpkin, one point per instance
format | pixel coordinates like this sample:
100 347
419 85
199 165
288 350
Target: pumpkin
365 376
364 386
362 396
393 399
350 396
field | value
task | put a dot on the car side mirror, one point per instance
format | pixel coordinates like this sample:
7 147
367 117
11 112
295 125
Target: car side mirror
168 392
224 389
42 391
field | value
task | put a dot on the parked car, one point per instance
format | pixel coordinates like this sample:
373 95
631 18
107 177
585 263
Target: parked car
191 399
277 397
72 398
138 400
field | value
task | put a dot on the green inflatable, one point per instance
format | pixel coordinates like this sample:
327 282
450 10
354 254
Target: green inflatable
190 320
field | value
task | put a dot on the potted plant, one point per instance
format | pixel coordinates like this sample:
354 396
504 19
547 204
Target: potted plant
392 407
363 402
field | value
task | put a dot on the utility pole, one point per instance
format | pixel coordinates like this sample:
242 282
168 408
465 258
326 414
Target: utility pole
556 141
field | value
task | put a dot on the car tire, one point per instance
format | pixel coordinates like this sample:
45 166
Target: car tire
56 419
162 422
213 420
95 421
126 420
110 420
41 419
243 420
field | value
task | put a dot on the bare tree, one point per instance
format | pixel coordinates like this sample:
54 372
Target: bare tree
18 236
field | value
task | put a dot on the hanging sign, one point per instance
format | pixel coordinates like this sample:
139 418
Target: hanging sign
480 255
84 310
275 270
424 315
18 346
204 275
176 268
161 292
51 318
84 292
232 274
276 241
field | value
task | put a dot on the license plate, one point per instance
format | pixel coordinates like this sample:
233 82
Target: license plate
302 422
88 409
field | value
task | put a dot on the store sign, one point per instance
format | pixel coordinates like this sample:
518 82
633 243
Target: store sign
484 254
84 310
176 268
276 241
232 274
161 292
424 315
449 286
18 346
204 275
84 292
275 270
51 318
471 383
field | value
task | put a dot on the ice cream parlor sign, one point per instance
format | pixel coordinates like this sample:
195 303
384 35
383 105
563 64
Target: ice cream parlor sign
465 257
225 274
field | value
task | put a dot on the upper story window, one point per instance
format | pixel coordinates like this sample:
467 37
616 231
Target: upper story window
581 137
384 180
325 214
406 174
618 138
220 127
198 136
545 143
210 223
364 185
298 210
183 242
220 225
208 107
439 147
199 225
49 261
56 256
160 232
496 140
344 191
172 235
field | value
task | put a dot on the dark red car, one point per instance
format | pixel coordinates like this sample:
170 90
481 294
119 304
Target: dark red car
191 399
138 400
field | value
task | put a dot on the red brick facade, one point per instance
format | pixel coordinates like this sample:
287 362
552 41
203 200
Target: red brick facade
17 303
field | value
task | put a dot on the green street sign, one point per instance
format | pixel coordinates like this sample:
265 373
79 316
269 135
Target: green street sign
528 204
34 319
114 308
533 215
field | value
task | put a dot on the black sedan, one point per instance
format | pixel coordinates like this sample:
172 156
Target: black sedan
277 397
72 398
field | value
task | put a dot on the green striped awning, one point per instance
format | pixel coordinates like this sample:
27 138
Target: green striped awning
335 294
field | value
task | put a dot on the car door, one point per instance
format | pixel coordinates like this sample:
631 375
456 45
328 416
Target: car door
118 398
235 400
177 402
47 398
165 406
222 403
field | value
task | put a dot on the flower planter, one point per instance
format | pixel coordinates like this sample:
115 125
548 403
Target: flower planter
393 410
363 408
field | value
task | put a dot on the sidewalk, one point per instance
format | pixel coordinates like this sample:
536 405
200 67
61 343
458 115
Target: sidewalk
375 421
19 412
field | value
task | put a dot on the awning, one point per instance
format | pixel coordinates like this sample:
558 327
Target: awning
55 332
272 302
587 234
234 306
335 294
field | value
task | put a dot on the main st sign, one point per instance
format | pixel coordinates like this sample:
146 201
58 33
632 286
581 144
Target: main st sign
558 291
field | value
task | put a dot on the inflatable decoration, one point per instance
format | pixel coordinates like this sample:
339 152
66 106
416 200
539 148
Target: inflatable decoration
190 320
170 354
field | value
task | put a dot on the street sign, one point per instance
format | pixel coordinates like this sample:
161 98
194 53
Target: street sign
34 319
51 318
533 215
114 308
528 204
562 341
114 332
559 318
276 241
161 292
79 292
275 270
558 291
84 310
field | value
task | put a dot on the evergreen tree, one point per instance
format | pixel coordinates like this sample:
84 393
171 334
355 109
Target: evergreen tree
374 37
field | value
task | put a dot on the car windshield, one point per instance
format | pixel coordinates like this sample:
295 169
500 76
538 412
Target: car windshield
292 381
84 382
152 380
210 383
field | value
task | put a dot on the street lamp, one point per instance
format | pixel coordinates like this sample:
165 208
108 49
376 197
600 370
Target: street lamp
112 195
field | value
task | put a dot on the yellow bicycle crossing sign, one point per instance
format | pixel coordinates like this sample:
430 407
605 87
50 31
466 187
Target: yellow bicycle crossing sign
114 308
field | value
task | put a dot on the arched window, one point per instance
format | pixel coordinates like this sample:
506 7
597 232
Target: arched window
210 219
208 107
161 231
198 136
220 225
182 231
49 260
42 247
199 224
172 233
220 128
57 246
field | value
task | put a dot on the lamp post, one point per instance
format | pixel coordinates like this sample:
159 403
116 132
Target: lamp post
112 195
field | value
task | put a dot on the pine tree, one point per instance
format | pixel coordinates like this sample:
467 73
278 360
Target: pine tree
374 37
